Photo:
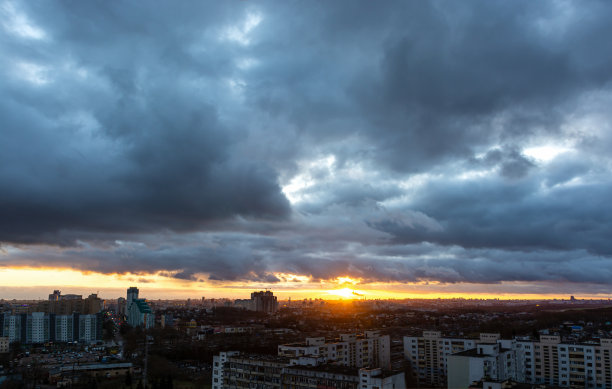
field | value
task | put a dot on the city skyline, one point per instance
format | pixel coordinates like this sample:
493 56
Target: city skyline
426 149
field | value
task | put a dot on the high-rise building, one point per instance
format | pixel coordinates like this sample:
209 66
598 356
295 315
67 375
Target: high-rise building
40 327
550 361
132 294
264 302
428 354
487 360
137 311
140 314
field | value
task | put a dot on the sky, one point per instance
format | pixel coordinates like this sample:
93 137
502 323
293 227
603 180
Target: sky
411 148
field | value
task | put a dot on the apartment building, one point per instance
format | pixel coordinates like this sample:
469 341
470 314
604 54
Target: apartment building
4 344
218 367
70 303
263 302
428 354
369 349
140 314
247 371
487 360
440 361
40 327
234 370
550 361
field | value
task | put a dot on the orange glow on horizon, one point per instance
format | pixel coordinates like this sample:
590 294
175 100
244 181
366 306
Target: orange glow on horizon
39 282
346 293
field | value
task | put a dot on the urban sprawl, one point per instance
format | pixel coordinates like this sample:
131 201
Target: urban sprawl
132 342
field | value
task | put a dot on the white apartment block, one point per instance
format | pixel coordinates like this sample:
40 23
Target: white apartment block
443 361
218 365
87 328
351 350
487 360
12 327
549 361
38 327
428 354
63 328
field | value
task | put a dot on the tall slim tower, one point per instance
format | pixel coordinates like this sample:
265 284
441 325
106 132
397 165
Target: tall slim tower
132 294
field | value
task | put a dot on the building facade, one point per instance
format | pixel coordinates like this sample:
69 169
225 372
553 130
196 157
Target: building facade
140 314
235 370
4 344
487 360
550 361
369 349
67 304
428 355
40 327
264 302
438 361
137 311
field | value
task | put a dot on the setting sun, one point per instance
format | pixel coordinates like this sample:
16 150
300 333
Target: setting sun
346 293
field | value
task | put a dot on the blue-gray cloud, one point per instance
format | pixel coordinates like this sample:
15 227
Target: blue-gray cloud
235 141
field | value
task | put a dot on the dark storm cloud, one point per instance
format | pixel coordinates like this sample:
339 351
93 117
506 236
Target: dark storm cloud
172 137
132 145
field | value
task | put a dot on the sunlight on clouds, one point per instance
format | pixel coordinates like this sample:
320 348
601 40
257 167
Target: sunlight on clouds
474 174
240 33
51 276
308 176
17 23
545 153
291 278
346 280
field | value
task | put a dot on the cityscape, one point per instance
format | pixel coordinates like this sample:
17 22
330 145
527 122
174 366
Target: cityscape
261 342
273 194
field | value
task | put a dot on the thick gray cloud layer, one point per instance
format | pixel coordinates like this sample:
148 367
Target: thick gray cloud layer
421 141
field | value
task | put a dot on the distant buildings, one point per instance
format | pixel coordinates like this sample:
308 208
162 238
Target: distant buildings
40 327
262 301
138 312
69 303
121 306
